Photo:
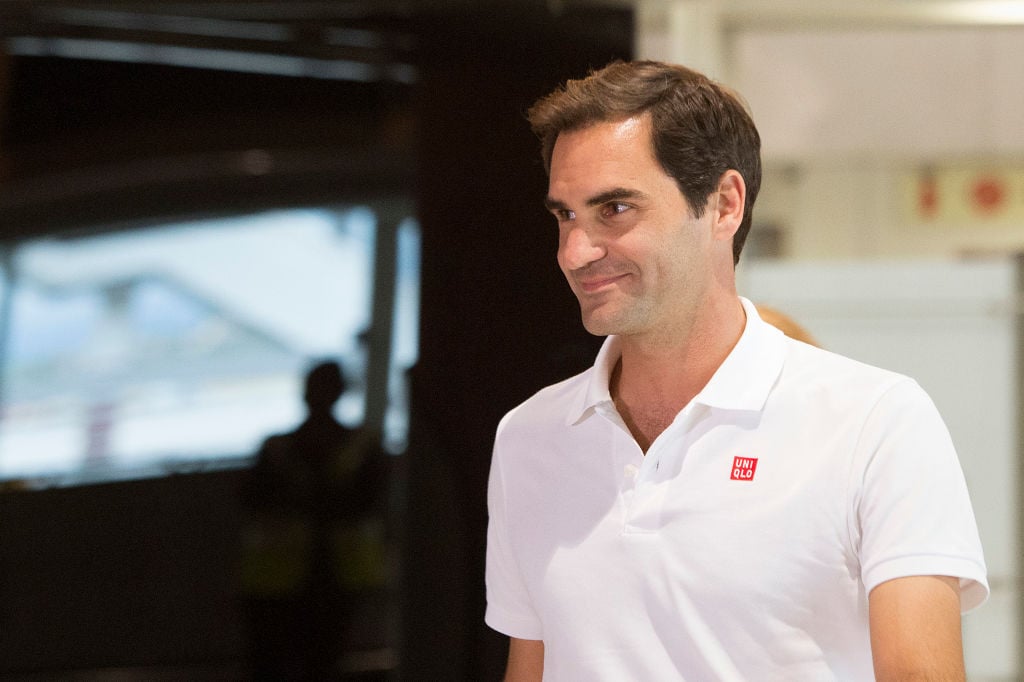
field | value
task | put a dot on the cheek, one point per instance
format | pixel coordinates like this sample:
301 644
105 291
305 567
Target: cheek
677 262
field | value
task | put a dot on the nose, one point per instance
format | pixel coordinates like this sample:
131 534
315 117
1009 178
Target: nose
578 247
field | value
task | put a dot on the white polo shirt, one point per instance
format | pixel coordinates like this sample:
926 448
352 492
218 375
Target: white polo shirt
743 546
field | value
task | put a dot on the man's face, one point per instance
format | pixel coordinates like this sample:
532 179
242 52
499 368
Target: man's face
634 255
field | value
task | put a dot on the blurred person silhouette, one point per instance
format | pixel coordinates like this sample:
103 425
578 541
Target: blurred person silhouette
312 540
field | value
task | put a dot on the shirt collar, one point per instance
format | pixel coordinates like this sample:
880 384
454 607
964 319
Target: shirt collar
742 382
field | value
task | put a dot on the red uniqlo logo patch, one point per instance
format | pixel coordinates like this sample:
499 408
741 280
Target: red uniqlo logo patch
743 468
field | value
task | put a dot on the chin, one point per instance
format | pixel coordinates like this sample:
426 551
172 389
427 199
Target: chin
599 327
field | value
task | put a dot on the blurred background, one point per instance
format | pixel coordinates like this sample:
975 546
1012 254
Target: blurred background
200 200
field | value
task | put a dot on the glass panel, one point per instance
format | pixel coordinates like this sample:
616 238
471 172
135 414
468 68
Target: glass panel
182 346
404 336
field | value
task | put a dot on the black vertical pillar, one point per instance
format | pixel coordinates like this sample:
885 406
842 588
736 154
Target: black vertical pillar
497 321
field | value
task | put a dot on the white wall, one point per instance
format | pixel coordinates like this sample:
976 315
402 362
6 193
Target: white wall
879 92
847 115
838 209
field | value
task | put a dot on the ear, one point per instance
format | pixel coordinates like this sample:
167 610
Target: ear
731 197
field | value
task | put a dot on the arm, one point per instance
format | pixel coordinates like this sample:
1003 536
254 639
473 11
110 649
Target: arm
525 660
915 629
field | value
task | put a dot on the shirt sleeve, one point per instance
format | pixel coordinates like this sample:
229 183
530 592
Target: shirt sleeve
509 607
912 509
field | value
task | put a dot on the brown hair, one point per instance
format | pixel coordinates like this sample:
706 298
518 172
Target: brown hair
701 129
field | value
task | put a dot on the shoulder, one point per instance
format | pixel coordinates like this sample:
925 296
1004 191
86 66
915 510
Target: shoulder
551 406
887 417
276 446
823 387
824 372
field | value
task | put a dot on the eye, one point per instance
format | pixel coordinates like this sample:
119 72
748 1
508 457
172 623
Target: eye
564 214
614 208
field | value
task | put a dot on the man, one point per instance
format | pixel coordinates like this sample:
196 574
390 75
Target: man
712 500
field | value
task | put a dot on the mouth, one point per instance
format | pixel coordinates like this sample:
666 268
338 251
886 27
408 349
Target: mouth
592 285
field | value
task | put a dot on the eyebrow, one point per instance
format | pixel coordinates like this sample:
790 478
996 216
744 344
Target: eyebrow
614 194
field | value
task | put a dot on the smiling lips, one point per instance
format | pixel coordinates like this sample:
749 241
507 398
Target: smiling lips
592 284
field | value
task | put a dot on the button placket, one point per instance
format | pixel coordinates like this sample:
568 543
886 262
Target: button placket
655 475
665 456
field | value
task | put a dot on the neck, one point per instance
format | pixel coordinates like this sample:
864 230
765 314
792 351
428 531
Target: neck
659 374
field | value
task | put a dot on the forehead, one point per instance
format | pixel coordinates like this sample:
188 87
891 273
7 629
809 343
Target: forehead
616 153
627 134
